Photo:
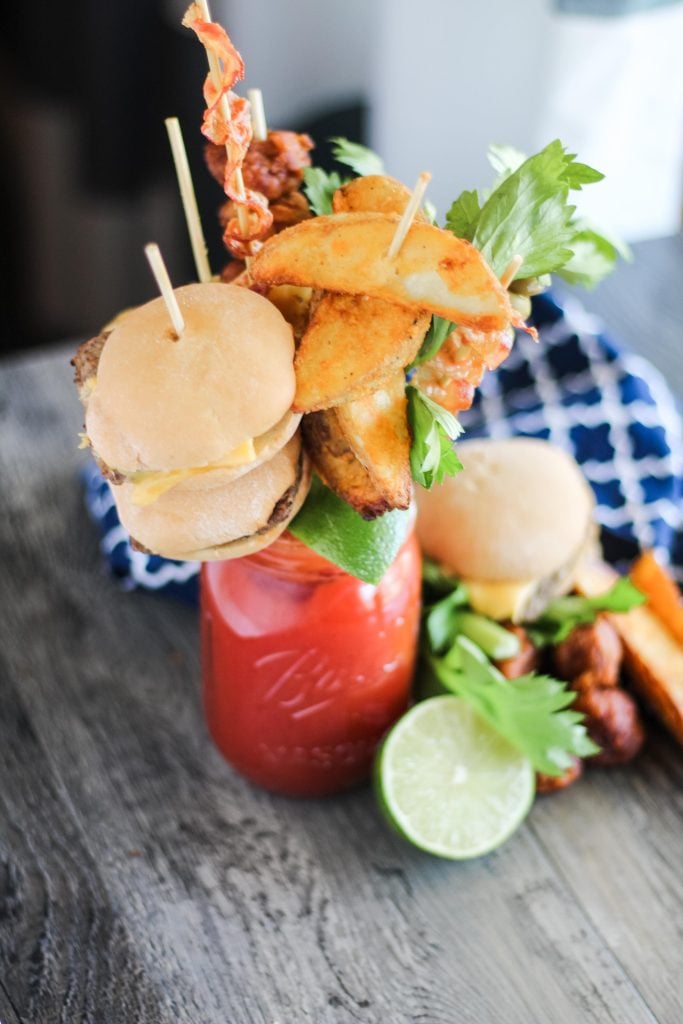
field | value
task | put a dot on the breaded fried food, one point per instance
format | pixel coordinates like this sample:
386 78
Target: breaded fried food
362 450
338 467
376 430
352 345
348 252
374 192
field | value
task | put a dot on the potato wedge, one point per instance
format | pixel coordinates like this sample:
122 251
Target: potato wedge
652 656
376 430
664 597
294 304
374 192
351 345
347 252
338 467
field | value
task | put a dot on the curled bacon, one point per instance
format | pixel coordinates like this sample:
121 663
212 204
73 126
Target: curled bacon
234 132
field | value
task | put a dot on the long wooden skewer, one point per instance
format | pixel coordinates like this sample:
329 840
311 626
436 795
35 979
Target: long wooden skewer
258 115
187 194
215 69
411 209
156 262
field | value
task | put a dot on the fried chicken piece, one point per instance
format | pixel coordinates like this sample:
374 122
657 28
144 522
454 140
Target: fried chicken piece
593 648
554 783
613 722
526 661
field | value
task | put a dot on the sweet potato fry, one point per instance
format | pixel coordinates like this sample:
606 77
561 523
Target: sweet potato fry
663 596
351 345
652 655
347 252
376 430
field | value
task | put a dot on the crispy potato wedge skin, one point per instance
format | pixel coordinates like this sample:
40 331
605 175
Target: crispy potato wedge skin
352 344
376 430
652 655
347 252
338 467
374 192
355 343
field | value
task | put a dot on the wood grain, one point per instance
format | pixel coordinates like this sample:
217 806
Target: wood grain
142 880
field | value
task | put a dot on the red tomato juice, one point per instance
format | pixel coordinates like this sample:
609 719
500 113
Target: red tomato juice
304 666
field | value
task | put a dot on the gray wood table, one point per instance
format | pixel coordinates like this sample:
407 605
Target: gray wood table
141 880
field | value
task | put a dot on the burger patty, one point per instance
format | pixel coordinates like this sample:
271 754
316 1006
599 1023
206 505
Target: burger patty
281 510
283 505
87 358
85 364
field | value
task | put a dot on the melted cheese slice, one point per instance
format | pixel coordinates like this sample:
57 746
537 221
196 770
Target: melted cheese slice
500 600
149 485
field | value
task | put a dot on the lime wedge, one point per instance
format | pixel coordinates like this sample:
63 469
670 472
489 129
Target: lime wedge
449 783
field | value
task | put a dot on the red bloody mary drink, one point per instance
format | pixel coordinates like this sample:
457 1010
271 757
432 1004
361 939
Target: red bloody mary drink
304 666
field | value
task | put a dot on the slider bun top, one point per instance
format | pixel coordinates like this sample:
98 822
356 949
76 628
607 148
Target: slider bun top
520 510
198 518
162 404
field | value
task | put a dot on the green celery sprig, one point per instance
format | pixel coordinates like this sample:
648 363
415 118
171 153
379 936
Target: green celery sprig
433 430
532 712
563 614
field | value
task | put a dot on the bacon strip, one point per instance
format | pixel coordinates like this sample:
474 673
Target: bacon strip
234 133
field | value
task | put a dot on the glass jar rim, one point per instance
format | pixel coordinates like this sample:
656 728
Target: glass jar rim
289 557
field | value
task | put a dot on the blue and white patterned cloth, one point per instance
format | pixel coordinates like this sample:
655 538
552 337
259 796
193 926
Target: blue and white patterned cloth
612 410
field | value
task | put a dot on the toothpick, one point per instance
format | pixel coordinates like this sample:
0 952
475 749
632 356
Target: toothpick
187 194
258 115
156 262
507 277
215 70
411 209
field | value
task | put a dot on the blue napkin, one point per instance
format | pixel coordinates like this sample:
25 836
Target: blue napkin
612 410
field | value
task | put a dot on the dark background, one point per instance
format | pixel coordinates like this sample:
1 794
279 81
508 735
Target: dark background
92 83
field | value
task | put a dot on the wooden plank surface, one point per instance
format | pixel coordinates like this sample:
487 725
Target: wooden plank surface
142 880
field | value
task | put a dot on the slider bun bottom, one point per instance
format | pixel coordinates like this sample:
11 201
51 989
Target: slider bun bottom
203 517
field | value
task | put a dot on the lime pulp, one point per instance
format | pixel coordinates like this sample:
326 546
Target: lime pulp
449 783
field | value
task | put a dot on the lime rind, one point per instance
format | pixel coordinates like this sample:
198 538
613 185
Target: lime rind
449 783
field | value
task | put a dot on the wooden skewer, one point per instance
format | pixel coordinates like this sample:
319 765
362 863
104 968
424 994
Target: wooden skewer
411 209
506 278
258 115
215 70
156 262
187 194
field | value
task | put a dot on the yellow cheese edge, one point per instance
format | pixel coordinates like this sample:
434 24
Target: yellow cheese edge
149 485
500 599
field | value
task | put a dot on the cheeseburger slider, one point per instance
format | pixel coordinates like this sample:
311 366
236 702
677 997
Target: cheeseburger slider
514 526
196 433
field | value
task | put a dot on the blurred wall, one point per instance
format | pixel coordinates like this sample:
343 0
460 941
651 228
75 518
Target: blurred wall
450 78
442 79
307 56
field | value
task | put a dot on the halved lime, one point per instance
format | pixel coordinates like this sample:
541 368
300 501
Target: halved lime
449 782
